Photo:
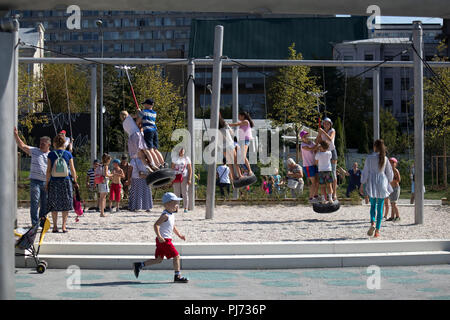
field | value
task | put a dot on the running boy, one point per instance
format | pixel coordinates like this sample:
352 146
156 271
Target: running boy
323 162
395 195
116 187
164 228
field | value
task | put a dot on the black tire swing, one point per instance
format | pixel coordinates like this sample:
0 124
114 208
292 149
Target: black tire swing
163 176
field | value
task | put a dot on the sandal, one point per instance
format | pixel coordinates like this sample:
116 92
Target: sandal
55 231
377 234
65 231
390 219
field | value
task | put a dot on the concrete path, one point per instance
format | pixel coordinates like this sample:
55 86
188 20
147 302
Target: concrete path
420 282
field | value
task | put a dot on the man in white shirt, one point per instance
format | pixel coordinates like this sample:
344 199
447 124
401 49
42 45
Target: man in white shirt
224 178
68 141
38 170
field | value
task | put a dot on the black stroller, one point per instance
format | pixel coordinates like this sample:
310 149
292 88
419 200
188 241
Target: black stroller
26 242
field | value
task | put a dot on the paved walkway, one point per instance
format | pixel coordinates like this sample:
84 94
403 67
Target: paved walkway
419 282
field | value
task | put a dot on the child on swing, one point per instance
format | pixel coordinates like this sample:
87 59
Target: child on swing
136 141
147 120
245 125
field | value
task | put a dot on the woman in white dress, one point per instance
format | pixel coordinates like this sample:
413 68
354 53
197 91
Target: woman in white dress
376 177
182 165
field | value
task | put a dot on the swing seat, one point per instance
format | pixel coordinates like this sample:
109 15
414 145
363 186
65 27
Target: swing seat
245 181
327 207
161 177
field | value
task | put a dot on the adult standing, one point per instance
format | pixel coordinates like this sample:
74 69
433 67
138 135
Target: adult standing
38 169
182 165
376 177
355 179
295 178
59 186
68 142
328 134
140 193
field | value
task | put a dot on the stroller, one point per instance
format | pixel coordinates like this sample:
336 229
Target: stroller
26 242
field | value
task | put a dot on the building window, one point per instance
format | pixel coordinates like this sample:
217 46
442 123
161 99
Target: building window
348 58
125 22
169 34
404 83
405 58
388 84
137 47
388 57
405 107
368 57
388 105
117 47
147 47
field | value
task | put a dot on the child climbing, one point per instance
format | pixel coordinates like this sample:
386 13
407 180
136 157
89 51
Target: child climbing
245 125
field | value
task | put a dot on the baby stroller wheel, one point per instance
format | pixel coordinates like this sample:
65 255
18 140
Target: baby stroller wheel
41 267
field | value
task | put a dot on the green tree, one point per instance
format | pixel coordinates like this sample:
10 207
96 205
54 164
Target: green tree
29 101
78 91
149 82
340 142
437 110
290 102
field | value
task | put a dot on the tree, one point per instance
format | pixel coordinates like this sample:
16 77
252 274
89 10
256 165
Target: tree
437 109
340 142
363 137
396 142
29 99
290 102
54 76
149 82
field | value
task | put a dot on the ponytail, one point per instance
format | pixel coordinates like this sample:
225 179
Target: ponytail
381 149
247 117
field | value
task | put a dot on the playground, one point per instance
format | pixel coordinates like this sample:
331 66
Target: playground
243 223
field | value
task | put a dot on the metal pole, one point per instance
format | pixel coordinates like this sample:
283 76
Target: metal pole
93 112
16 116
376 104
8 60
101 98
214 122
418 123
235 108
191 127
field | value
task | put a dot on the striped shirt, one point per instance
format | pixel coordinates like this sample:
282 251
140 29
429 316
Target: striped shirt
91 175
148 120
38 168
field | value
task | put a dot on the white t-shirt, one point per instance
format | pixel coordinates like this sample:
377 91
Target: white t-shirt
166 228
331 147
224 174
129 125
181 165
324 160
38 168
66 142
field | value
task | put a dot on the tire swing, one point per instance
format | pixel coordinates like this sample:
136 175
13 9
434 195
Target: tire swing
245 181
161 177
326 207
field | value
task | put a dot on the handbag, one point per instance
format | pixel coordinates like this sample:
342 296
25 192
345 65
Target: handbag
179 177
99 178
292 183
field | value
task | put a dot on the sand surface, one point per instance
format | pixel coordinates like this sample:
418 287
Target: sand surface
249 224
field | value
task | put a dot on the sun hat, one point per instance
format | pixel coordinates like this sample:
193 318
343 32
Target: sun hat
169 196
328 119
303 133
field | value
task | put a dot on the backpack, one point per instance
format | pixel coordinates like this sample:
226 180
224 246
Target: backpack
60 168
98 177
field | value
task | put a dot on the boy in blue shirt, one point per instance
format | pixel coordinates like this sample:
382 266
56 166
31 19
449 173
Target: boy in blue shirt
147 119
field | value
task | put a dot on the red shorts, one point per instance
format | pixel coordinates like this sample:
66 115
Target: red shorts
114 194
165 249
